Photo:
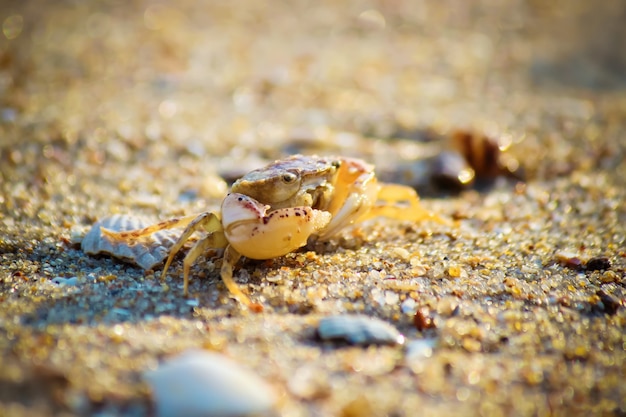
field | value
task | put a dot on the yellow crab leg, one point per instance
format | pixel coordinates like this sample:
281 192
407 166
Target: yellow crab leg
206 221
212 240
136 234
401 202
231 256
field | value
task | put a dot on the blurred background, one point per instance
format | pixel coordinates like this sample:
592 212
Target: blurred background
209 90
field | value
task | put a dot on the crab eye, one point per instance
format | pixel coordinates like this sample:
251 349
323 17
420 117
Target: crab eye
289 177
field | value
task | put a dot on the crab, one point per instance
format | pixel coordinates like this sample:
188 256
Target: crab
275 210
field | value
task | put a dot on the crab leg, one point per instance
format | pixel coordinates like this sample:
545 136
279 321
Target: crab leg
401 202
212 240
356 190
206 221
136 234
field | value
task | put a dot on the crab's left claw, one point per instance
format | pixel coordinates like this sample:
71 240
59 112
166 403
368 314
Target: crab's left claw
358 196
356 191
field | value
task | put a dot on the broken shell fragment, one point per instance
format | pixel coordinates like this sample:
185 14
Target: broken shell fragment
358 330
201 383
599 263
486 155
451 171
146 253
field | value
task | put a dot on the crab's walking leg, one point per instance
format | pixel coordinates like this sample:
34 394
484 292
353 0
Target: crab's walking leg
401 202
127 235
206 221
212 240
231 256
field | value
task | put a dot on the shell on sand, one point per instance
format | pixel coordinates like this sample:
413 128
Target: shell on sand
146 253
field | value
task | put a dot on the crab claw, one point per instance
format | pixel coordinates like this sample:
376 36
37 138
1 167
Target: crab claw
257 234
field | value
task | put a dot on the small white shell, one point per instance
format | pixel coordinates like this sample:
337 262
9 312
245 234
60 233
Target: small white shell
359 330
146 253
201 383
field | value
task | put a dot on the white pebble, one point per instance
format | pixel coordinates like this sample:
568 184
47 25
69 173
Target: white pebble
200 383
193 302
65 281
408 306
359 330
391 298
401 253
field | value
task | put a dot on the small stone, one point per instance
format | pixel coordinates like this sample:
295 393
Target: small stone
608 277
65 281
408 306
471 345
76 236
610 303
454 271
391 298
447 305
193 302
402 253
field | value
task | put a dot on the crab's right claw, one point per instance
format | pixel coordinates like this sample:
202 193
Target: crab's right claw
254 233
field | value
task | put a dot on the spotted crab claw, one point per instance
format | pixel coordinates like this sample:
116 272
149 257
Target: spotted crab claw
257 234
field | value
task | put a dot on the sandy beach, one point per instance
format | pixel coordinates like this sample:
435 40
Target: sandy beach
151 109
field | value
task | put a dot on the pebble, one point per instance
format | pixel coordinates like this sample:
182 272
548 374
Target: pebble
201 383
610 303
401 253
359 330
65 281
408 306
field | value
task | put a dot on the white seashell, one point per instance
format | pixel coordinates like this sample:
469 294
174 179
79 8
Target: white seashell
359 330
146 253
201 383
